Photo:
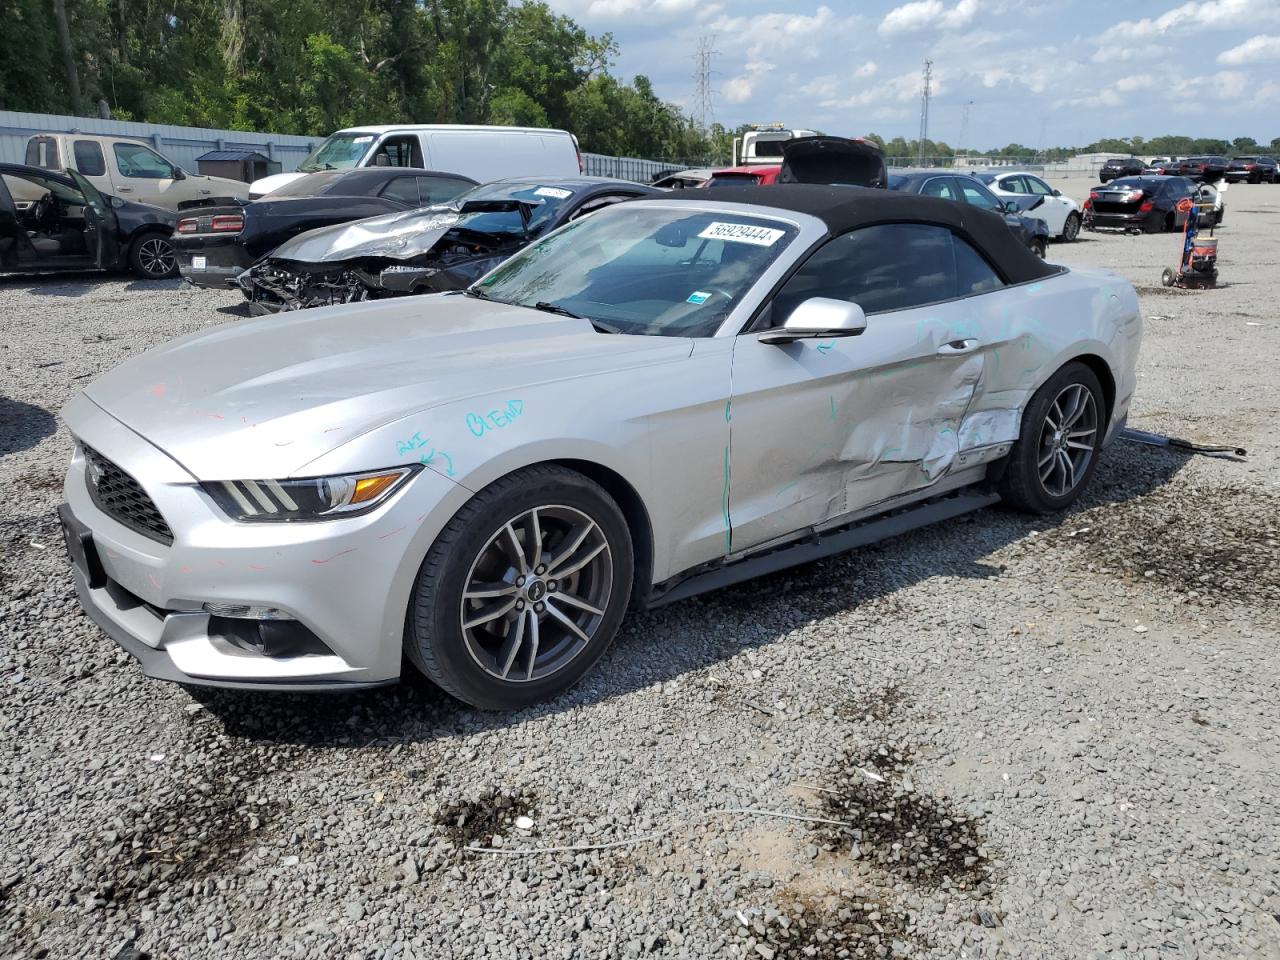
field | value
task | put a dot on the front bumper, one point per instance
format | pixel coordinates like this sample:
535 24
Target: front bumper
211 262
346 581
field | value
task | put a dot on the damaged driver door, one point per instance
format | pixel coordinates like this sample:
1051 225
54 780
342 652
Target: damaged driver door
823 428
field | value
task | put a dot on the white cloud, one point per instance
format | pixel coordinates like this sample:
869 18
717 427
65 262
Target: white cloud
1257 49
741 88
766 34
904 87
1195 15
625 9
1129 53
868 69
922 15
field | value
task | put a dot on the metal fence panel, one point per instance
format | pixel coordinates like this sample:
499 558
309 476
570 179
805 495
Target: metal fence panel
626 168
180 144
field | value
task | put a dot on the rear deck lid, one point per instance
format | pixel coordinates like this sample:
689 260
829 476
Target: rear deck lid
828 160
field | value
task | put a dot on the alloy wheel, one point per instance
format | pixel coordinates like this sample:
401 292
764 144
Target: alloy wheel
156 257
1072 228
536 593
1068 437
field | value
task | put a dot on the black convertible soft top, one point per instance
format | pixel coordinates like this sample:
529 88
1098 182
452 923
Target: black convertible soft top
844 208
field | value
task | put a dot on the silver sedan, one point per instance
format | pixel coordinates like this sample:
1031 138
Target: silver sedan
658 399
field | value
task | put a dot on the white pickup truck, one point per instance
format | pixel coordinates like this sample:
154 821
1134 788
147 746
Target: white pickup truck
764 144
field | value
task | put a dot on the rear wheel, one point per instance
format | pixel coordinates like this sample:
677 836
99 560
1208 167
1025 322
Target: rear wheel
1071 228
523 591
1037 246
1058 448
152 257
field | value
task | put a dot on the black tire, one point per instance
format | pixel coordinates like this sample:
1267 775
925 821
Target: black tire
152 257
1071 228
1038 247
1021 485
435 640
1168 277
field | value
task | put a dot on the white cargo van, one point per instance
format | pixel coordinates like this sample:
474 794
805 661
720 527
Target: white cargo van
479 152
128 169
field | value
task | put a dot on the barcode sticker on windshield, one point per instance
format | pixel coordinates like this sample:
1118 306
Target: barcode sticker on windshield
361 139
742 233
553 192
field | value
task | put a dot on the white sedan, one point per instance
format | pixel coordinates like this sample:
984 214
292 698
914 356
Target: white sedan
1060 212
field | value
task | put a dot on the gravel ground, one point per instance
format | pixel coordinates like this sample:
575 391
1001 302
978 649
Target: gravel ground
1057 738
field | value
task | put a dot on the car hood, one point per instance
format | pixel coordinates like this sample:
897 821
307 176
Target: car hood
262 399
227 186
273 182
397 236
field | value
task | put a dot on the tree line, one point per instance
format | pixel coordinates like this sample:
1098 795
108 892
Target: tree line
310 67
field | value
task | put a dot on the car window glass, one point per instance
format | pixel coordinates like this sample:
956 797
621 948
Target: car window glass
403 189
135 160
973 273
440 189
395 152
1013 185
42 152
645 270
598 203
978 195
1037 187
939 187
890 266
89 158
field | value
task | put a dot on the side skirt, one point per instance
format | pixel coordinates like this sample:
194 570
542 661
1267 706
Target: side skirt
826 544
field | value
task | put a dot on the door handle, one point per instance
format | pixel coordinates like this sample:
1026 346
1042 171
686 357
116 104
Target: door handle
204 193
957 347
125 189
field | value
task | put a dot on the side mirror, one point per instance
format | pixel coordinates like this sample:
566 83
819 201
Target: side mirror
179 174
1057 193
819 318
1013 208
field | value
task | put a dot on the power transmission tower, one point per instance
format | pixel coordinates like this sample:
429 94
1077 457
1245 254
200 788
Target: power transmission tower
703 112
924 108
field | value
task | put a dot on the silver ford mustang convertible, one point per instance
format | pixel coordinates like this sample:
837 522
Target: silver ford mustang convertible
656 400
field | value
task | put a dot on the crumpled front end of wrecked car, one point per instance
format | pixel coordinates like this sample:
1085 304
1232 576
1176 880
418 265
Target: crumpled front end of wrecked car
368 259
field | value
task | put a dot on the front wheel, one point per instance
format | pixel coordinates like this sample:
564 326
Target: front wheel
523 591
1037 246
1058 447
151 256
1071 228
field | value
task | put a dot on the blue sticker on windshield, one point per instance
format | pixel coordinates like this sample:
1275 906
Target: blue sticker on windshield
698 296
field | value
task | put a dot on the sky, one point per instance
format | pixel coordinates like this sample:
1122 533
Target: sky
1034 72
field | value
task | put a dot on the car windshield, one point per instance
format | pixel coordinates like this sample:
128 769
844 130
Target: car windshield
342 151
546 201
733 180
641 269
309 186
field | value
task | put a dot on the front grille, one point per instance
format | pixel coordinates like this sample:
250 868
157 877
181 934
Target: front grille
122 498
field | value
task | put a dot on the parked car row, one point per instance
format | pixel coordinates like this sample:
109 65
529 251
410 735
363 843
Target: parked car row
1209 169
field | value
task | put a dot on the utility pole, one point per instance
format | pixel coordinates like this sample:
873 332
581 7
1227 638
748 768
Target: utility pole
964 126
703 112
924 108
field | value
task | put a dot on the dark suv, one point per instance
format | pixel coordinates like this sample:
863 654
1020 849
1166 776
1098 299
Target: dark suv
1116 167
1253 169
1204 169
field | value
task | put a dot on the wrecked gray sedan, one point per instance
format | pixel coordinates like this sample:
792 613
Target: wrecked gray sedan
431 250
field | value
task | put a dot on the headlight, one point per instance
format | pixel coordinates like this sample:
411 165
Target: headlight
316 498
